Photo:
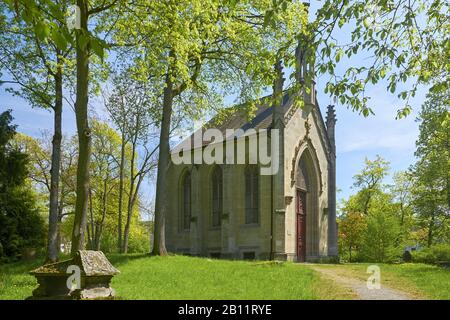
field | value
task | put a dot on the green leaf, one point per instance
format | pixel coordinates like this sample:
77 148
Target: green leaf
393 87
59 39
98 47
42 30
267 18
82 40
365 112
338 55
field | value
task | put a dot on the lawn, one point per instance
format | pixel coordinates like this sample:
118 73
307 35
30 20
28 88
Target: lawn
180 277
15 282
420 280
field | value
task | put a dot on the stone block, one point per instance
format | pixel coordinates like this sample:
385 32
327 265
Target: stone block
90 270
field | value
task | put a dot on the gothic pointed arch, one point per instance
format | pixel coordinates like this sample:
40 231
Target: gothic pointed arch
307 180
303 146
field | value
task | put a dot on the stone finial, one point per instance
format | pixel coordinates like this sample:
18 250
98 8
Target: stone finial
331 116
279 80
299 63
304 70
331 123
277 107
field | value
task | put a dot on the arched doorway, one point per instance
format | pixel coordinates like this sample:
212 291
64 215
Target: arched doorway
306 208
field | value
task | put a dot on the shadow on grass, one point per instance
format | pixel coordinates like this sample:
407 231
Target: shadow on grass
20 267
118 259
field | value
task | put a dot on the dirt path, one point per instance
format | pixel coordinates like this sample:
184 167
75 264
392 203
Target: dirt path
360 287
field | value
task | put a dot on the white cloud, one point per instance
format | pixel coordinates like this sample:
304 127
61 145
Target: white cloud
380 131
378 140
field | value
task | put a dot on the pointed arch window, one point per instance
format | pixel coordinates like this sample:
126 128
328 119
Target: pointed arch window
217 196
251 195
186 201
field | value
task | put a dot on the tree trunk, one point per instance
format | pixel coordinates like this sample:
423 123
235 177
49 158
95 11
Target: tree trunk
159 243
58 236
130 199
366 204
121 178
83 130
60 215
53 216
89 238
430 231
126 234
99 227
90 226
402 218
130 211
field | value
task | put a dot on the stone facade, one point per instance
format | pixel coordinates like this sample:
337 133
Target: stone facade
307 163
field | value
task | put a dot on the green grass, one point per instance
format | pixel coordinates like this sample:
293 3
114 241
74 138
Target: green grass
180 277
15 282
422 281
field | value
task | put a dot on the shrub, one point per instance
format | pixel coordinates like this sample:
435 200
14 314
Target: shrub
380 239
433 254
21 225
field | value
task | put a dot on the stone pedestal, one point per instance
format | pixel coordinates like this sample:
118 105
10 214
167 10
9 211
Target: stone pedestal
87 276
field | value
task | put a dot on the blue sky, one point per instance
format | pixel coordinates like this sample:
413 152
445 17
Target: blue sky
356 137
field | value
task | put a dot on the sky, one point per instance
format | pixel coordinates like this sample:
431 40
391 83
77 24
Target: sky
380 134
356 137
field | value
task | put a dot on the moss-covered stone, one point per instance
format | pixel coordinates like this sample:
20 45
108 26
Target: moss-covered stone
96 273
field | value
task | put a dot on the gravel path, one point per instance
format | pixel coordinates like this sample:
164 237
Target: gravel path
360 287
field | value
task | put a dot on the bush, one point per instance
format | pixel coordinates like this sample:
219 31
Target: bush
380 239
139 241
432 255
21 225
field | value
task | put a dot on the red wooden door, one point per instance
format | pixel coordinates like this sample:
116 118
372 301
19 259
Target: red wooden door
301 225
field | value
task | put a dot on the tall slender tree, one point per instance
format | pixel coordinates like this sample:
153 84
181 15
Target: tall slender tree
132 108
86 43
36 55
431 173
369 180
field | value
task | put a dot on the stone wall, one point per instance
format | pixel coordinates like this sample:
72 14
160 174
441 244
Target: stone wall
233 238
303 134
